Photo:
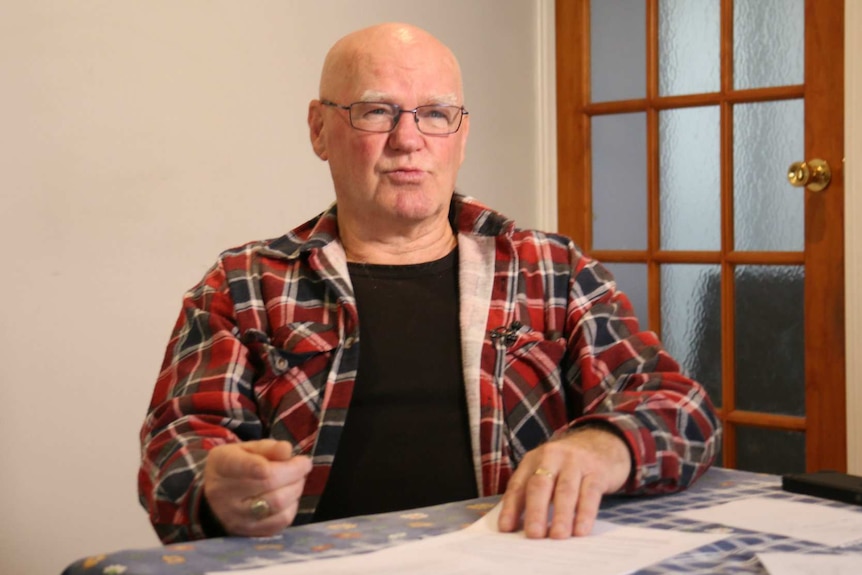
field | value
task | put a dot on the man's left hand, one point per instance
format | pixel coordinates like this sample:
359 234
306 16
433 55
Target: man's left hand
572 473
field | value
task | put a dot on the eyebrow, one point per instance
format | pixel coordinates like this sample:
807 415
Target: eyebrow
374 96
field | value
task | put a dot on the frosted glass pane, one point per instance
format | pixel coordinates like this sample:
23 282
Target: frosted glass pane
618 50
768 212
619 182
770 362
768 43
770 450
632 279
691 321
689 35
690 179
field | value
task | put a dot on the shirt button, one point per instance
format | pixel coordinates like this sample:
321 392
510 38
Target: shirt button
281 364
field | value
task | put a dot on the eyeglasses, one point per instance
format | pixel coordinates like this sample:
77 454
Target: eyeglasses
382 117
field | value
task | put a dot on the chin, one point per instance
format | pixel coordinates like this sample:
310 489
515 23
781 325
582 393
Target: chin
418 204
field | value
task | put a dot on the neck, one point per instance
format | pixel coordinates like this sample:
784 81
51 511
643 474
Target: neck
373 247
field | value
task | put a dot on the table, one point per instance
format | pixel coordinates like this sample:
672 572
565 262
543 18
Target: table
733 554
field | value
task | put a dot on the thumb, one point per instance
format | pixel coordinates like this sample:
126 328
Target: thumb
271 449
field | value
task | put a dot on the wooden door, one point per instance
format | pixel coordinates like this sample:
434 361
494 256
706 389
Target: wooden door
760 264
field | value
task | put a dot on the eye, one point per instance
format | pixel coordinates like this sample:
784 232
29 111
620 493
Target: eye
374 111
438 114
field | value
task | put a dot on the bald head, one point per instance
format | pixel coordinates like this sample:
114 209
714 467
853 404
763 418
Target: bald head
392 185
393 46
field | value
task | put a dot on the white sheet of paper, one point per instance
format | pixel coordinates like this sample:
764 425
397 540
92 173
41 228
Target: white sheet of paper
810 564
805 521
482 550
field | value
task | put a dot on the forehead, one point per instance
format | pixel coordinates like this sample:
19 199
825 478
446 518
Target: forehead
398 73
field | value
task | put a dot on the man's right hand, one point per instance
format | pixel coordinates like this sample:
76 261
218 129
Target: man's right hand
237 475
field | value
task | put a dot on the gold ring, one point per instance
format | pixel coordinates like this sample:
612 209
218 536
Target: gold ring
543 471
260 508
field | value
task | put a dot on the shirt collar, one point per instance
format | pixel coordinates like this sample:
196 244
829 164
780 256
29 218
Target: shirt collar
467 216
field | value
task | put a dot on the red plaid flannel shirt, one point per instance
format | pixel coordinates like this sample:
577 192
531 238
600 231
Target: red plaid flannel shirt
267 345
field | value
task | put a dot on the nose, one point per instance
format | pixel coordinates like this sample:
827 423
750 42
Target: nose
406 135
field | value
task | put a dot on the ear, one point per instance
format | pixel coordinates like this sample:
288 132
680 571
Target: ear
464 131
315 129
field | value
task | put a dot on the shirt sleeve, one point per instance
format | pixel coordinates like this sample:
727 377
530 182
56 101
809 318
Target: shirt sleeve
629 381
203 398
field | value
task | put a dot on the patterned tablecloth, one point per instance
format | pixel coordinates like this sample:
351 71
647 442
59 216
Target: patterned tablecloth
734 554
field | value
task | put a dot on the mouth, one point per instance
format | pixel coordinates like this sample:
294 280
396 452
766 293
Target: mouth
405 174
405 169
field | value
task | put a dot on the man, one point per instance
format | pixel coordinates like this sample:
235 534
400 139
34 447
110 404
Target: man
409 346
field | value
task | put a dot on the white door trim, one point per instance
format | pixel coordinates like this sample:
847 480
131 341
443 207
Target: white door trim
546 116
853 233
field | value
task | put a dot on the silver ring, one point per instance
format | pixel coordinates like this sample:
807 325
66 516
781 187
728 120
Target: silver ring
260 509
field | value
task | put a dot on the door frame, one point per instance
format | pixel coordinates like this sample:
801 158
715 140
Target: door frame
546 194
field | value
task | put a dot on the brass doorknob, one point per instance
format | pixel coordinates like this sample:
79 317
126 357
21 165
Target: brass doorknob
814 174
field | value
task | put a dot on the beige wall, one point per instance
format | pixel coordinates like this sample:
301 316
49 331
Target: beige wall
137 140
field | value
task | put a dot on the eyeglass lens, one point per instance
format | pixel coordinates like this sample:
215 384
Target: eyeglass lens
381 117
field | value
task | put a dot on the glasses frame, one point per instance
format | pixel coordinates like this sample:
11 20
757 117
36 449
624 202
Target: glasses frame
399 111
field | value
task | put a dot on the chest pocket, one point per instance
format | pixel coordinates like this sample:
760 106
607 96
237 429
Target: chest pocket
529 380
295 343
530 359
292 366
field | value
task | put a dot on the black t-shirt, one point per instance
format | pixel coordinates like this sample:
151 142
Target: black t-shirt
406 440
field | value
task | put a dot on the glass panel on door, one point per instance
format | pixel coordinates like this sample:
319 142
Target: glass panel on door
691 321
770 352
767 450
768 214
768 43
619 72
689 185
689 46
619 196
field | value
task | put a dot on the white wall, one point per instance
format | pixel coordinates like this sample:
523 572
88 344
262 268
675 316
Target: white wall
137 140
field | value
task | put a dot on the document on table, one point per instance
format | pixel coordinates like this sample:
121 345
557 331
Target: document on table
811 564
805 521
482 550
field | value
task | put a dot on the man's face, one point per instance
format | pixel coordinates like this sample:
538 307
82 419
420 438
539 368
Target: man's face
400 177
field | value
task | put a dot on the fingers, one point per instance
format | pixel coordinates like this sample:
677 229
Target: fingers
512 505
529 492
539 492
254 488
280 510
251 460
589 499
576 499
566 507
573 473
237 461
